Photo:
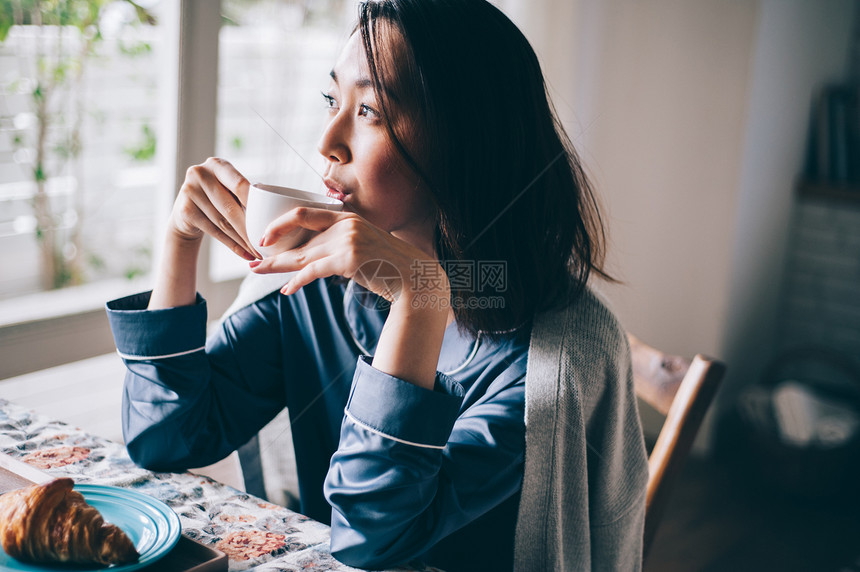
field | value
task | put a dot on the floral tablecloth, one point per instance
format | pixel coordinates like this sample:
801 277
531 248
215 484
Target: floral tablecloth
253 533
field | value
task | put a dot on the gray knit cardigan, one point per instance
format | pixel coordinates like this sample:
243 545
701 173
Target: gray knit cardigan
583 498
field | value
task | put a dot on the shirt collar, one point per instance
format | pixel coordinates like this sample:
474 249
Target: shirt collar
365 314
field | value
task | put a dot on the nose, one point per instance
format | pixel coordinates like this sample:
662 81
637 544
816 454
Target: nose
333 144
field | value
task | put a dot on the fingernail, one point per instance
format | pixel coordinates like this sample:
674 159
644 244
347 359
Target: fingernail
263 241
286 288
254 263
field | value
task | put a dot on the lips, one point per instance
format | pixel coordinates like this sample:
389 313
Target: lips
335 190
331 193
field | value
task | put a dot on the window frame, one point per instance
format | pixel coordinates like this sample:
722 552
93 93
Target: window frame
75 327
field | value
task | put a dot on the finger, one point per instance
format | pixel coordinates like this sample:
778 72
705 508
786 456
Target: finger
291 260
223 209
221 175
201 221
321 268
231 178
304 217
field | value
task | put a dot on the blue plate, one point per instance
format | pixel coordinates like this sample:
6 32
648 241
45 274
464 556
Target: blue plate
151 525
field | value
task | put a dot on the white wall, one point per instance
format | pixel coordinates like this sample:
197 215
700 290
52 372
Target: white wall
799 46
692 118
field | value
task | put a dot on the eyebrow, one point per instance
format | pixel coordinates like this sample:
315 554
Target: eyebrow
361 83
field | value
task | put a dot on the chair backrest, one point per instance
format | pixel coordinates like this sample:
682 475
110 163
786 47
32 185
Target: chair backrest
682 390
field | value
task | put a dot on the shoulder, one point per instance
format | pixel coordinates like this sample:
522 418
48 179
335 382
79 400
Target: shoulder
586 325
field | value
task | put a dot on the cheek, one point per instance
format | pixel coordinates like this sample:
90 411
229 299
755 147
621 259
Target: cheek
392 203
393 197
388 181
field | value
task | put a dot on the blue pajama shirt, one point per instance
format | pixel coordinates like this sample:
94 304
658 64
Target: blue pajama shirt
400 472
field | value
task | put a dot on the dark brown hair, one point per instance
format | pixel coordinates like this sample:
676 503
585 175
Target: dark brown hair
466 106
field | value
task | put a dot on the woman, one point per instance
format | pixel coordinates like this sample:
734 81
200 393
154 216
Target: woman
466 209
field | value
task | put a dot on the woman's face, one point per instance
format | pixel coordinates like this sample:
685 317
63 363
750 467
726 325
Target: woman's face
363 168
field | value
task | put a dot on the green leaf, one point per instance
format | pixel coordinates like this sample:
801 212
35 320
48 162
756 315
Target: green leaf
144 16
146 150
60 72
64 276
236 143
39 174
63 150
96 261
136 49
133 272
6 21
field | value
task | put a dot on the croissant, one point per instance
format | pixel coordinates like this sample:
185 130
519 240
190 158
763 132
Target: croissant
52 523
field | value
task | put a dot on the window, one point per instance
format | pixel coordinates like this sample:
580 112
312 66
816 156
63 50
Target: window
148 104
78 121
274 59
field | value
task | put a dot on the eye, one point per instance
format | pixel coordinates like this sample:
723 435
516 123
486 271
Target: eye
367 111
330 101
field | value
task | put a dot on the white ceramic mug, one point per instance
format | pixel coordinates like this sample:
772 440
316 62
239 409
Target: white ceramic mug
268 202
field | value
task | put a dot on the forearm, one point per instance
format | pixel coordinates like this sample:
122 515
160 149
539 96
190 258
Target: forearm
176 281
411 339
161 426
188 401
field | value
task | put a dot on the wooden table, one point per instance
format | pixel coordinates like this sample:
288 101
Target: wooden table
252 532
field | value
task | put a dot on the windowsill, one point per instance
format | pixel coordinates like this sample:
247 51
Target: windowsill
67 301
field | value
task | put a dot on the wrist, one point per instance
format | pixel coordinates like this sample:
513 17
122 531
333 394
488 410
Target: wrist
176 281
424 286
411 339
182 241
410 342
425 298
423 303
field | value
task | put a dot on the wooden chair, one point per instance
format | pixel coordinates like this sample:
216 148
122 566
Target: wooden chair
682 390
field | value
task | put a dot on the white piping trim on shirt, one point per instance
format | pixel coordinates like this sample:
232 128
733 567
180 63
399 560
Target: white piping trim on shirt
469 359
378 432
165 356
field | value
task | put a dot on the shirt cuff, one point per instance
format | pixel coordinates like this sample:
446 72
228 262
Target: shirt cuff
403 411
142 334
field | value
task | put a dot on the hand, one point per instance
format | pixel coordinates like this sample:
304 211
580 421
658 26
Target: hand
212 201
346 245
